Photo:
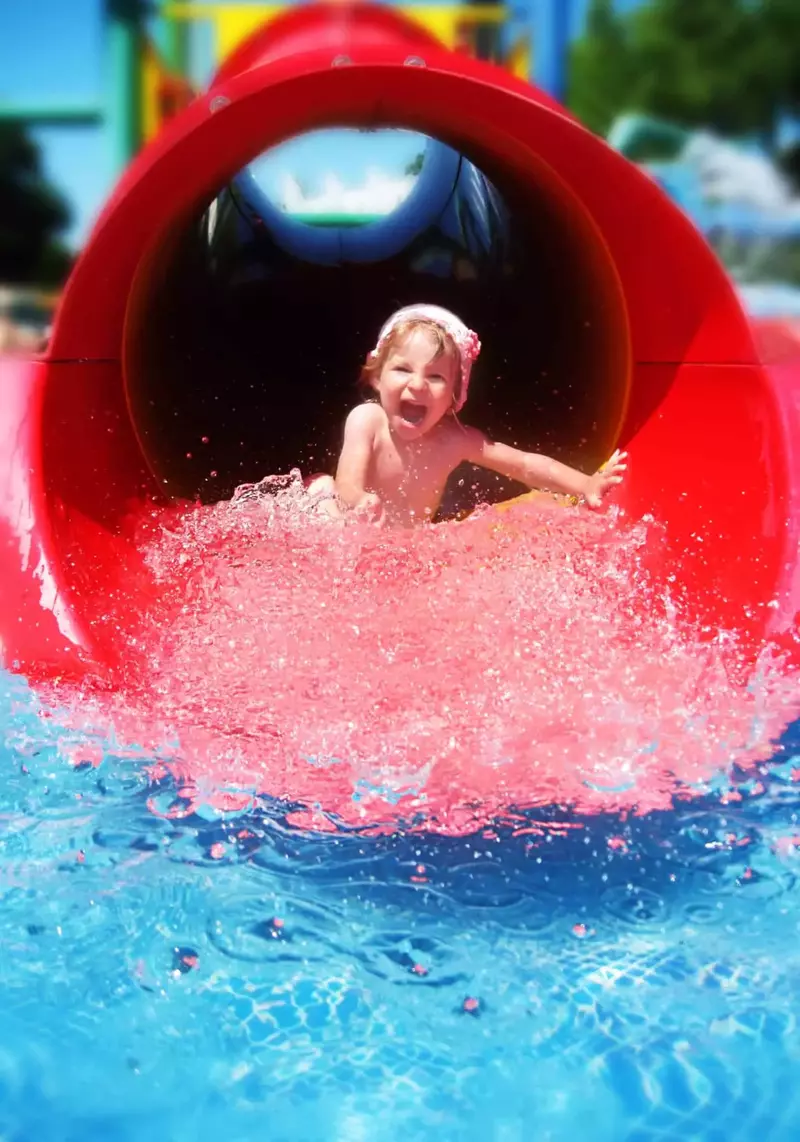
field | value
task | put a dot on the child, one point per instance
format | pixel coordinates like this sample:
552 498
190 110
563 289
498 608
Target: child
398 451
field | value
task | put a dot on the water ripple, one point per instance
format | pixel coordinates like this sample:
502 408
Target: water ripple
215 973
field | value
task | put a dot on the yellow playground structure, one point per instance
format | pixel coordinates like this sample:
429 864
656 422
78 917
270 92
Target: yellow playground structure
160 52
486 30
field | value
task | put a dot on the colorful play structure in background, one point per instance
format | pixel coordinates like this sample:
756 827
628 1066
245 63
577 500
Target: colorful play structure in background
159 53
149 72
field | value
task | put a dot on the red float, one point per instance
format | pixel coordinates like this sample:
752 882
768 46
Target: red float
711 420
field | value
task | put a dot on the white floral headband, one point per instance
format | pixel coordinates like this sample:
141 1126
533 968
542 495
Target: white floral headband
464 339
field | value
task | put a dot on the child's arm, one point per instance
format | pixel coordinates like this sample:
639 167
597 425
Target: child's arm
352 471
541 472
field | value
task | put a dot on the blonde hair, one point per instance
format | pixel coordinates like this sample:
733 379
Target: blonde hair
445 346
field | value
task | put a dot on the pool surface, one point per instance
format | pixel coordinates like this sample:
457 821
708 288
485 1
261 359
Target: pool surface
226 976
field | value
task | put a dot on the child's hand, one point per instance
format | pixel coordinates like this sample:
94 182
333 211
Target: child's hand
370 508
600 484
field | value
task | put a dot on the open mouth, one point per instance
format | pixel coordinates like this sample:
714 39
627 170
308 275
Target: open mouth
412 412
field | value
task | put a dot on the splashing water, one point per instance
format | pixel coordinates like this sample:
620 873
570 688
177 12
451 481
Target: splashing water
436 679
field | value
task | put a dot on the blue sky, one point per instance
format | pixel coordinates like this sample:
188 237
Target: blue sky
51 51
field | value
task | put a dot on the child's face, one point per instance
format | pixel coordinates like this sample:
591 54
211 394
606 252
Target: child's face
415 386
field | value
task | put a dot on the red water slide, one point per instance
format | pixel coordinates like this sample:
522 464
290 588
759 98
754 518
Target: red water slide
652 335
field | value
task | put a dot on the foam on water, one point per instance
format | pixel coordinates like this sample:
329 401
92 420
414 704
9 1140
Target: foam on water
437 679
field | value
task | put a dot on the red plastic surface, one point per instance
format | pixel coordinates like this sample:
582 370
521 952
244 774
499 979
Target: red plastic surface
713 433
297 30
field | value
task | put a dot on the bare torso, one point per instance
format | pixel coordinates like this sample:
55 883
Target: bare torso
404 479
410 477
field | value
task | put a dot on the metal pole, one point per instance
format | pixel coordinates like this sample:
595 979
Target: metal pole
61 114
124 79
174 42
551 33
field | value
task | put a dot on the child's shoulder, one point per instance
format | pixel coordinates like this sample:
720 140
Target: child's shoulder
365 417
462 437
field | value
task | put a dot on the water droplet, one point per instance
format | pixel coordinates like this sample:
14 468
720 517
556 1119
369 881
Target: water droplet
184 960
634 905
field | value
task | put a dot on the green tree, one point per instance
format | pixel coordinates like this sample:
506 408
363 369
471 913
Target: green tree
415 166
601 68
775 74
32 214
730 65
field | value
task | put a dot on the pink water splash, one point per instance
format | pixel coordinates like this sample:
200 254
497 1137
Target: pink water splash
439 677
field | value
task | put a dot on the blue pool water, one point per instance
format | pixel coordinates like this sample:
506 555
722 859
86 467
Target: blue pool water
193 978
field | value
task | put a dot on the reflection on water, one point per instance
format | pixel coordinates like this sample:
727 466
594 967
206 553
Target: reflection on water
607 976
